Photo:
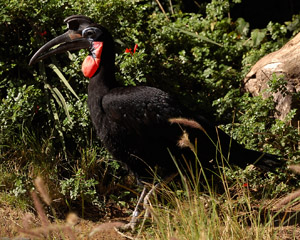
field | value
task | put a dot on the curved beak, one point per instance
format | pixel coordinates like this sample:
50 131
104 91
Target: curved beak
71 40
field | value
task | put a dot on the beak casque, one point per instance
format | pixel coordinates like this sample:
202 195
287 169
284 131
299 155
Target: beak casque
71 40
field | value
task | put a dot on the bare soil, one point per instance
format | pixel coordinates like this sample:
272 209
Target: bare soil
15 223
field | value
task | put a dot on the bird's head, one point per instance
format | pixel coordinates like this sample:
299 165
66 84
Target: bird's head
82 33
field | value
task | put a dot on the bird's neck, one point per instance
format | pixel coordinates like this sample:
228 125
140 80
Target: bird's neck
100 84
103 81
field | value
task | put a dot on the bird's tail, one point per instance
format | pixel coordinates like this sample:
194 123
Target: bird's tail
266 161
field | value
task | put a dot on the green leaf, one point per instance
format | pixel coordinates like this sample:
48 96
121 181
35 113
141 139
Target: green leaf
198 36
242 26
63 79
257 36
53 94
63 101
59 99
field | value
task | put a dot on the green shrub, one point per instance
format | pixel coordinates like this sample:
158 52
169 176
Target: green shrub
201 58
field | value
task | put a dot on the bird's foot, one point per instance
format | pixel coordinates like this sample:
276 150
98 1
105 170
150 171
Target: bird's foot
132 224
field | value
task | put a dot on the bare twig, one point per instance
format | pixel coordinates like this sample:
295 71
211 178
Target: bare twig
123 234
295 168
162 9
286 200
171 6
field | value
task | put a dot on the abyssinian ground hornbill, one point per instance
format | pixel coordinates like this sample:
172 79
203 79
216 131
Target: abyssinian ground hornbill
141 126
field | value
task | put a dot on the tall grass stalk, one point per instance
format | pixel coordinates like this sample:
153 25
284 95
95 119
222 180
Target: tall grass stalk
190 214
188 211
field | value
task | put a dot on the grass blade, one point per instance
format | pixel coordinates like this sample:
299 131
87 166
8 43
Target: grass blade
63 102
53 94
63 79
59 99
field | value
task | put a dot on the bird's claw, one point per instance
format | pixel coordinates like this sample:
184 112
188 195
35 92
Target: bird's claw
131 226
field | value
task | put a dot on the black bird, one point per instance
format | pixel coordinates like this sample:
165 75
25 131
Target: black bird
141 126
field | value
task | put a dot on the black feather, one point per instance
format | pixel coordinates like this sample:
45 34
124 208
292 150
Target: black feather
134 125
141 126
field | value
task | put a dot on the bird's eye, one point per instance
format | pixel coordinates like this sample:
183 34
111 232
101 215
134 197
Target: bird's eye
88 33
91 32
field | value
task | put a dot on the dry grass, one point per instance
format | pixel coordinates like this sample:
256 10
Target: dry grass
186 214
178 212
196 216
19 225
231 215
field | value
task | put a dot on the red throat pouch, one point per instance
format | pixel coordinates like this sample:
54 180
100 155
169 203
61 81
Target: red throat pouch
91 62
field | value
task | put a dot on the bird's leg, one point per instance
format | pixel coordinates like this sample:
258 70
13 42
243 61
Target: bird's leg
144 197
146 204
134 219
141 198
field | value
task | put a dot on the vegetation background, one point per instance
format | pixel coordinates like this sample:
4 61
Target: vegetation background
45 125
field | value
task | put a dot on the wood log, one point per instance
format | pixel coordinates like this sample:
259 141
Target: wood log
284 62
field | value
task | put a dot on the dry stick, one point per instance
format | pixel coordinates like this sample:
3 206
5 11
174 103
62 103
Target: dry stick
171 5
123 234
197 4
295 168
286 200
162 9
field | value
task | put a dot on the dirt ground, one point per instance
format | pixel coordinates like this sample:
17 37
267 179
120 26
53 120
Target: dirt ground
18 225
15 224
